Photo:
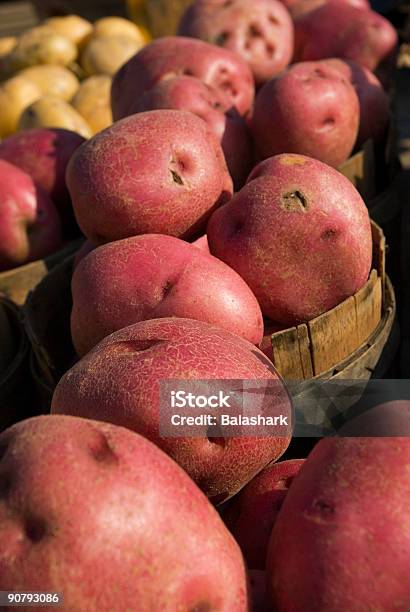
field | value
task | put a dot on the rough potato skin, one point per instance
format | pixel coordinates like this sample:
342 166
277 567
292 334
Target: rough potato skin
309 109
260 32
373 100
346 518
299 234
118 381
44 154
252 513
337 29
157 172
154 276
172 56
191 94
100 514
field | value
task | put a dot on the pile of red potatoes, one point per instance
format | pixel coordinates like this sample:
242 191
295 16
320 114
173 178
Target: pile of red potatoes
213 213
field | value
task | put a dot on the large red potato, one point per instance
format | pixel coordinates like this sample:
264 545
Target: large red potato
299 234
153 276
44 154
29 223
101 515
342 539
190 94
119 381
252 513
261 32
373 100
173 56
159 172
297 8
309 109
337 29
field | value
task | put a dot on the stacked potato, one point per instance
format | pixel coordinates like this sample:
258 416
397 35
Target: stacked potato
58 74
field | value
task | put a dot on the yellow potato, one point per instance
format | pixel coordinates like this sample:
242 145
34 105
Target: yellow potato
93 102
42 45
106 54
53 80
117 26
6 44
73 27
15 95
50 111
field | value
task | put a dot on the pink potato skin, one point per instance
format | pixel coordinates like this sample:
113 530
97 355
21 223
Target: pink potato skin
373 100
310 109
29 223
337 29
299 7
252 513
44 154
191 94
118 381
159 172
335 521
86 506
260 32
154 276
299 234
202 244
172 56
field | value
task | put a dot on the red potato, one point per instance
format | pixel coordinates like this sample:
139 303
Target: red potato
118 381
373 100
260 32
252 513
336 523
297 8
86 508
310 109
338 29
299 234
202 244
159 172
172 56
191 94
154 276
29 223
44 154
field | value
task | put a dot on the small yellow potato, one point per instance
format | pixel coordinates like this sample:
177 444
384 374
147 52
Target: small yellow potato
15 95
106 54
53 112
53 80
117 26
42 45
74 27
93 102
6 45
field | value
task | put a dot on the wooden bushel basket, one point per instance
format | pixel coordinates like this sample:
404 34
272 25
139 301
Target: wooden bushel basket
15 381
16 283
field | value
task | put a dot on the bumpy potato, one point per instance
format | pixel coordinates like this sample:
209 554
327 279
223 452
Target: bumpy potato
53 80
15 95
93 103
73 27
53 112
42 45
106 54
117 26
